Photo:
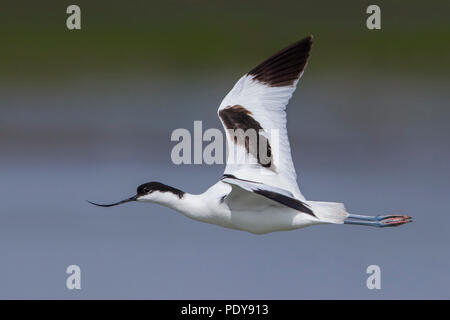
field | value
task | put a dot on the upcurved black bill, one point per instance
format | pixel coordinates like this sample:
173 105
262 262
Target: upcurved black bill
133 198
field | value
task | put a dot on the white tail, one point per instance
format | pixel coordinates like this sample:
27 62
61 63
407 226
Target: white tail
331 212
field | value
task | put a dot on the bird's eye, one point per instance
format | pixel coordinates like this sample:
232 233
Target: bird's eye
146 190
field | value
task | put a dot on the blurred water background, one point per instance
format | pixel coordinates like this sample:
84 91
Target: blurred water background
88 115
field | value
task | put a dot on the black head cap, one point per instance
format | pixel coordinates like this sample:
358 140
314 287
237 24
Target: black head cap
150 187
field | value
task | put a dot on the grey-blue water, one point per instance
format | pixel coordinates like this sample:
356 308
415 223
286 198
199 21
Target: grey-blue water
380 146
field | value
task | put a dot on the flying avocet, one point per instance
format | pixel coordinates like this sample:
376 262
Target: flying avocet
260 197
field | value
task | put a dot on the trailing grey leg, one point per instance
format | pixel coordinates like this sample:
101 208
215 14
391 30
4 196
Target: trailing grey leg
378 221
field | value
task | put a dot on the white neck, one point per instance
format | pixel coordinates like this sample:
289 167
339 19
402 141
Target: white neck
191 205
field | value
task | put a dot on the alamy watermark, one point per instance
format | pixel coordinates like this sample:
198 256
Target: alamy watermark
73 281
73 21
241 146
373 21
374 280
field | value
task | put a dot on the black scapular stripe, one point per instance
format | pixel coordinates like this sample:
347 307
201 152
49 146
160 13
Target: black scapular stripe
278 197
287 201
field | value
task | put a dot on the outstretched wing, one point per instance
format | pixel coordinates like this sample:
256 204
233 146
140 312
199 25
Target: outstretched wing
258 101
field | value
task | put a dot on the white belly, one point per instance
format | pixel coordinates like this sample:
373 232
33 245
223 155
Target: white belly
269 219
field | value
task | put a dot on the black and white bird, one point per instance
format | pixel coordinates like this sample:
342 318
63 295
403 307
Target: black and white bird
256 196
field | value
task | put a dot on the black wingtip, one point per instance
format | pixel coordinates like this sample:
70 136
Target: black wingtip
285 66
